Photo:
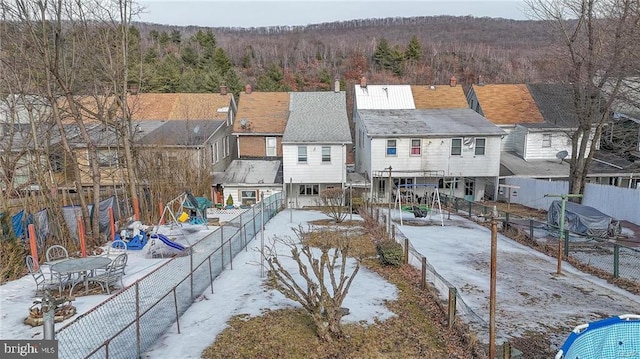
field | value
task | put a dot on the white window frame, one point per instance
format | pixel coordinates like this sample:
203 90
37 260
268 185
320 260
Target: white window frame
327 158
478 147
418 147
216 152
309 190
458 146
274 148
250 199
546 140
302 157
395 148
228 146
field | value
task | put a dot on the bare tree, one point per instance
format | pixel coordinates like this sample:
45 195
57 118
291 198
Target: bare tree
598 42
323 281
332 202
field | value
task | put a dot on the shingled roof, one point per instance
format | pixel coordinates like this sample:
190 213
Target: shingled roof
555 102
441 96
179 106
262 113
318 117
506 104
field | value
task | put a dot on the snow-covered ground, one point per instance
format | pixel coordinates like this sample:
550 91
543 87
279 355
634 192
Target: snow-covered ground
530 296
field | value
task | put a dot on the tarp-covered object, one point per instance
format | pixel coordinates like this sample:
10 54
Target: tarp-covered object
581 219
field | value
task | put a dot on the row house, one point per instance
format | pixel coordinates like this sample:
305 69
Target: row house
424 135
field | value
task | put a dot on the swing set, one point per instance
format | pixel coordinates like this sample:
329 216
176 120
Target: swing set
421 206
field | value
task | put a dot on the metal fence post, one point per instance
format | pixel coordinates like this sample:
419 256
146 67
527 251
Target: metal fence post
566 243
406 250
210 272
393 232
242 238
138 350
616 261
222 246
451 310
175 306
531 229
423 285
191 272
470 208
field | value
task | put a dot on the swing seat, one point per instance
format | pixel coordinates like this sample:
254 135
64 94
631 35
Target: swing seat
419 212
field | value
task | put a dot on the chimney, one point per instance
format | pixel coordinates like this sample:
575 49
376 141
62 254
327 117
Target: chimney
247 89
453 81
480 80
336 85
363 82
133 89
223 90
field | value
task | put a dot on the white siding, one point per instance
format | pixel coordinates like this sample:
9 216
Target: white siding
508 141
536 151
436 155
314 170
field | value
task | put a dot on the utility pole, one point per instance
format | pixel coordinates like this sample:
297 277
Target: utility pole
492 286
561 236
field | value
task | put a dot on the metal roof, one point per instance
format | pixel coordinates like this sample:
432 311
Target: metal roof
433 123
317 117
384 97
253 172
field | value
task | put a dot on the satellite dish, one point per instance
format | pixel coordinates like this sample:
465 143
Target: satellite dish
196 129
468 141
562 155
243 123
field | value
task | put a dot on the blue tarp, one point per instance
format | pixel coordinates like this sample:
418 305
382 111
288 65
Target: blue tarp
17 224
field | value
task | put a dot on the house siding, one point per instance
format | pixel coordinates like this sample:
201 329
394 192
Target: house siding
314 171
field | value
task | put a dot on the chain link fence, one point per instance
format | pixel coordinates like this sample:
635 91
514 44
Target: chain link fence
129 323
607 257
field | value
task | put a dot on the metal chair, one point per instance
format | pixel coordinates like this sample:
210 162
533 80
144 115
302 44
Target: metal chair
113 274
56 253
40 278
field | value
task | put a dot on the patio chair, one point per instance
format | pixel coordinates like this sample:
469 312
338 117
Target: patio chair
112 275
54 254
42 282
116 248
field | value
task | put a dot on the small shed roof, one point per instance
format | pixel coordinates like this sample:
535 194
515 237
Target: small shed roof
253 172
176 133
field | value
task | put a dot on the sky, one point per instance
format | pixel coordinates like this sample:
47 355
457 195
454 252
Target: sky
530 296
258 13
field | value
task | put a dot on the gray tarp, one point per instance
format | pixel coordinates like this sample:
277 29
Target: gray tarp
580 219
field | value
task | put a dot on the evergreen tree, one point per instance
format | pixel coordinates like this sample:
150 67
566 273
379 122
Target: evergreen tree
382 56
189 56
221 60
167 77
414 49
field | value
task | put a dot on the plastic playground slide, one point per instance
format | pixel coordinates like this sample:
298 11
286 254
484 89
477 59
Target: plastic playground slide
164 239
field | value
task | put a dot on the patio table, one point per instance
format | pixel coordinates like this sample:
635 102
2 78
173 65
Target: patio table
82 267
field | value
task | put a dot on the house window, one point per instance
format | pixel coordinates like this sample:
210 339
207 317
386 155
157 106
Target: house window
546 140
416 147
56 163
227 146
391 147
216 153
224 146
469 187
302 154
480 146
308 189
456 146
248 197
107 158
326 154
271 146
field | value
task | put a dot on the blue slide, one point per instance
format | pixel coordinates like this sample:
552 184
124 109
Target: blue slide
168 242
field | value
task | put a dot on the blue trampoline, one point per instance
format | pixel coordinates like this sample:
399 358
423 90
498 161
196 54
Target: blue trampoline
611 338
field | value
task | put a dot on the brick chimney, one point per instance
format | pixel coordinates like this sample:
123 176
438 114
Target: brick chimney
363 82
247 88
336 85
453 81
223 90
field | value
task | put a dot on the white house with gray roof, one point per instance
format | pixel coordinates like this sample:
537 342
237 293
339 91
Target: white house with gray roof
314 145
455 149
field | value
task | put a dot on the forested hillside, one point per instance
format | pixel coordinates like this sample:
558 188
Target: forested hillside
419 50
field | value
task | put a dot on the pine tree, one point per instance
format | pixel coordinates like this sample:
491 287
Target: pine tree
414 49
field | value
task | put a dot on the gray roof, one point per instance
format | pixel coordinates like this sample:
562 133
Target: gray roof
430 122
317 117
603 163
253 172
176 132
555 103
